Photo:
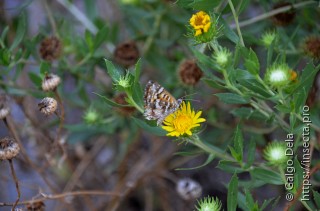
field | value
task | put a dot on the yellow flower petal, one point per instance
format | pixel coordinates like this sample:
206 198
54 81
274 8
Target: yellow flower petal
182 121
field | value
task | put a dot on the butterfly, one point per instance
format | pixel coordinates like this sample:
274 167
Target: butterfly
158 102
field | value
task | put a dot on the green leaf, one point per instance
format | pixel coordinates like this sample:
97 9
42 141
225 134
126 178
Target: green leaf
5 57
112 71
137 94
248 113
110 102
204 5
316 197
44 67
298 174
101 37
243 6
230 166
299 99
227 31
232 193
235 154
137 71
213 83
230 98
249 200
209 159
154 130
35 78
252 63
89 40
21 30
238 142
251 153
267 176
4 33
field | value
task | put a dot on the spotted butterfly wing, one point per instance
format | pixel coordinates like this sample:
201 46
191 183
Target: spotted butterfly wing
158 102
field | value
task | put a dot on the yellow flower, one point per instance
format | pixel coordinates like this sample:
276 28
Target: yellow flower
200 22
182 121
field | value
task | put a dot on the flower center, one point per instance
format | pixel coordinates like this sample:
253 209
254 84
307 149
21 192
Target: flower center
278 75
199 21
276 154
182 123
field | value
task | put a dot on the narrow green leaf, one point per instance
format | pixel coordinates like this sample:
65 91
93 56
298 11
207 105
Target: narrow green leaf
112 71
252 63
137 71
35 78
249 200
251 153
110 102
230 98
154 130
232 193
238 142
137 94
209 159
227 31
21 30
230 166
101 36
44 68
316 197
235 154
4 33
267 176
298 174
213 83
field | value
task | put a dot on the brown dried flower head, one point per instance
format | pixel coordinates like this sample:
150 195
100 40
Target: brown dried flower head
127 110
189 72
126 54
311 46
4 106
50 82
36 206
284 18
50 48
48 105
8 148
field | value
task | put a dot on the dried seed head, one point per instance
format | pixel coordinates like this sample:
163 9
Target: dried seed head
4 106
189 72
284 18
50 82
126 54
8 148
50 48
311 46
120 99
188 189
48 105
36 206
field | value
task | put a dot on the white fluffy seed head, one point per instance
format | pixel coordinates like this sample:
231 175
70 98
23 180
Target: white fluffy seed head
50 82
48 105
188 189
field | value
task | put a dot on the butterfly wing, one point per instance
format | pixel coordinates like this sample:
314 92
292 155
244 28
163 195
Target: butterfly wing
158 102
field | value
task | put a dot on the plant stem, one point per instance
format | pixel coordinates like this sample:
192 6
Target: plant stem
272 13
236 21
150 39
16 182
209 149
51 19
134 103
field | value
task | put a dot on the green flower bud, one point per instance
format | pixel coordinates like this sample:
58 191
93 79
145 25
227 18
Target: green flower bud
209 203
91 116
278 75
275 154
268 37
222 56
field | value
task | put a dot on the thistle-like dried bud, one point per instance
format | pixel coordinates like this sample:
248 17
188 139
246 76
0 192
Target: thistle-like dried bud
50 48
127 110
36 206
4 106
311 46
188 189
189 72
9 148
48 105
126 54
50 82
284 18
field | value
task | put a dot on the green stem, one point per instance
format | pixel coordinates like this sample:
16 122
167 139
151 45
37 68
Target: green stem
133 102
236 21
150 39
274 12
209 149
